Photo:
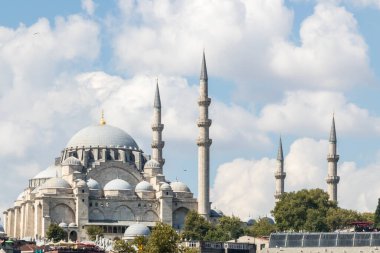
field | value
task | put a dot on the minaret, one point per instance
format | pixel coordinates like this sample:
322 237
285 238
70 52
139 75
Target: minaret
157 127
204 143
332 159
279 173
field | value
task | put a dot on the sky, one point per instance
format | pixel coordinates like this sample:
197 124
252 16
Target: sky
276 68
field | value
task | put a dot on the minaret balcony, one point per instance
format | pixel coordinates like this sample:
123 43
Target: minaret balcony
158 144
277 195
204 101
204 142
280 175
157 127
332 179
332 158
204 122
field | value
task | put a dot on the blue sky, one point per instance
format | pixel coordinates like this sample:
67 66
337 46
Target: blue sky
278 67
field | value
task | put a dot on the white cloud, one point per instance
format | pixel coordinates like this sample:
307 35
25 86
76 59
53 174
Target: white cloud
332 53
89 6
309 113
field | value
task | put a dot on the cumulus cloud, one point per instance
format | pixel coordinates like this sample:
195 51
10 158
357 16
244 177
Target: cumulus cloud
246 187
309 113
89 6
332 53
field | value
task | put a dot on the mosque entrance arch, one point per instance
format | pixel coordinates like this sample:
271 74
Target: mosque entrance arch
179 216
73 236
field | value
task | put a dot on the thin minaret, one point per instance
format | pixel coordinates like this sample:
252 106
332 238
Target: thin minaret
204 143
157 127
332 159
279 173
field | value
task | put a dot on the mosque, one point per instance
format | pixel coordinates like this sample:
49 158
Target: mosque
103 178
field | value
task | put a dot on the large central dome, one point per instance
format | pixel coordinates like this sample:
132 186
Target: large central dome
102 135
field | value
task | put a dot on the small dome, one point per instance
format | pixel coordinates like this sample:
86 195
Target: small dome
118 185
62 225
152 164
270 220
137 229
144 186
71 161
72 225
179 187
81 183
50 172
55 182
93 184
249 221
102 135
216 213
165 187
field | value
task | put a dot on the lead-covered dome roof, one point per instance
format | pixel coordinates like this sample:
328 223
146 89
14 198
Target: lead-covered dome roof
102 135
179 187
144 186
93 184
55 182
117 185
137 229
50 172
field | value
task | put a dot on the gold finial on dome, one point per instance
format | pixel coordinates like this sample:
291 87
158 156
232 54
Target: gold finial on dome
102 120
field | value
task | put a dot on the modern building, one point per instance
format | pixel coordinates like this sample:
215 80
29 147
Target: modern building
103 178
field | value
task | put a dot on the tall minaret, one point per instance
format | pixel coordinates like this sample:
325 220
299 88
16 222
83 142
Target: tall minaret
157 127
204 143
279 174
332 158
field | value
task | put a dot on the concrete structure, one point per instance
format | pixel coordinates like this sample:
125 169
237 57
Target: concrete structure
204 143
103 178
324 242
332 159
279 174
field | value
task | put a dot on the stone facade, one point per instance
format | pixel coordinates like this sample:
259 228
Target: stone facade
103 178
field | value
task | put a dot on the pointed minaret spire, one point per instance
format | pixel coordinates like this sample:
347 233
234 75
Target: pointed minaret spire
204 68
332 159
157 100
279 174
204 143
157 127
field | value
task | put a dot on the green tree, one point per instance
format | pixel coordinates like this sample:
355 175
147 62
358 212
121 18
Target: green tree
303 210
377 215
121 246
196 227
162 239
56 233
261 228
227 228
93 231
140 242
338 218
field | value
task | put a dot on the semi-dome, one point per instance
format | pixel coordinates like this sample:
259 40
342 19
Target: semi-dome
71 161
117 185
249 221
50 172
21 196
102 135
93 184
143 186
152 164
55 182
179 187
136 230
165 187
269 220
